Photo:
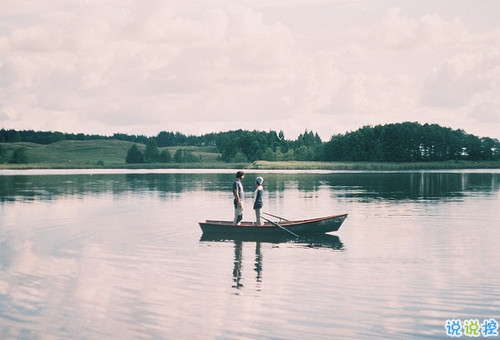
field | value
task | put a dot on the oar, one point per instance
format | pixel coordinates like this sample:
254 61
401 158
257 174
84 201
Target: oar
277 225
281 218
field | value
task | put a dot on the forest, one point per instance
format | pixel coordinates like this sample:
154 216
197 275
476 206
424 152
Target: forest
399 142
410 142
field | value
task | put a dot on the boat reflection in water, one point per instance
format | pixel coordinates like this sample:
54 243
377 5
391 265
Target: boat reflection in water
312 241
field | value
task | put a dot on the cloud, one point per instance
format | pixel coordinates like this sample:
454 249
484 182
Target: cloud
144 60
398 31
453 83
486 113
142 67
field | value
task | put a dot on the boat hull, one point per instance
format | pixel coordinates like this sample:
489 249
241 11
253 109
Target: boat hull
303 227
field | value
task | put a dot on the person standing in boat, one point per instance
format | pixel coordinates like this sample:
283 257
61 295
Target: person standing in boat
257 204
239 195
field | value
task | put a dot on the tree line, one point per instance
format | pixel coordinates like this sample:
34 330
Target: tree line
239 146
49 137
410 142
152 154
248 146
400 142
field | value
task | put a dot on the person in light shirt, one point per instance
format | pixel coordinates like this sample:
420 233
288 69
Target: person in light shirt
239 195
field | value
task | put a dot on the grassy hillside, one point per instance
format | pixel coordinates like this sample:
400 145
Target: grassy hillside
85 154
112 154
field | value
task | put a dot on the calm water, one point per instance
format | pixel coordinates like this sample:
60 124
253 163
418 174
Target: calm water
120 255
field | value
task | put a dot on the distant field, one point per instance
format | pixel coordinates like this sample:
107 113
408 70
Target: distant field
92 153
112 154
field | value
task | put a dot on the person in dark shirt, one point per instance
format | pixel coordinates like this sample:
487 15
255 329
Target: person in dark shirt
257 204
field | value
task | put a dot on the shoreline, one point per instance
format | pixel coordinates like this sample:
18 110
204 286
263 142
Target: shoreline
265 165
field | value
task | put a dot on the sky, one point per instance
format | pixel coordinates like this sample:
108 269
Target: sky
196 67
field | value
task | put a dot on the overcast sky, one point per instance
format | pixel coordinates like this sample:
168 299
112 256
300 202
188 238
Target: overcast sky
141 67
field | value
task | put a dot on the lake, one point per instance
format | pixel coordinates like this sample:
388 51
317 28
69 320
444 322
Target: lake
87 254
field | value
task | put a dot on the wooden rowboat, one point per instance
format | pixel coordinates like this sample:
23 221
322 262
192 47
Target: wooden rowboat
319 225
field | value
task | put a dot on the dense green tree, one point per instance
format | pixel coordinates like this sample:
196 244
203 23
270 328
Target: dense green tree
489 149
304 153
408 142
308 146
185 156
134 155
251 144
42 137
269 155
473 147
239 158
151 153
19 156
165 139
289 155
3 154
165 156
280 156
130 138
179 156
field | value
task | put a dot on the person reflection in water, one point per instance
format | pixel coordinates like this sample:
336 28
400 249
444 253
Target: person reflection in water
258 264
239 195
238 266
238 257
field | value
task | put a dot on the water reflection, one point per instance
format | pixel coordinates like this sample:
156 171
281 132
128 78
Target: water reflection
238 263
238 266
50 187
403 185
419 185
114 252
312 241
258 264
